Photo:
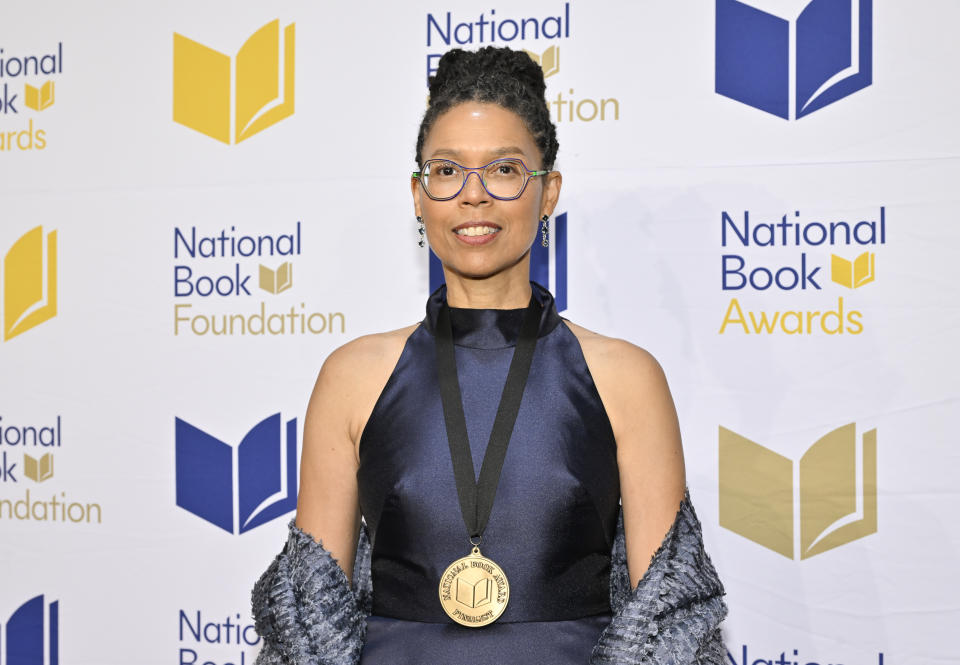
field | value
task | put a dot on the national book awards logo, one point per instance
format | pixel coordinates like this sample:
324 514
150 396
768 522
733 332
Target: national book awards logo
31 634
232 98
228 282
548 265
206 640
832 503
778 266
28 83
806 56
29 475
29 282
544 33
237 487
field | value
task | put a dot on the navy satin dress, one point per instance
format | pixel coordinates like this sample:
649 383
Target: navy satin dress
555 513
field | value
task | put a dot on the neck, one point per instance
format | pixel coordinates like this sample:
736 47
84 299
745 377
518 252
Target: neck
509 289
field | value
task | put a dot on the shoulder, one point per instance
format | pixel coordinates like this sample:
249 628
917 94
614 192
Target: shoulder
353 375
617 363
367 353
635 394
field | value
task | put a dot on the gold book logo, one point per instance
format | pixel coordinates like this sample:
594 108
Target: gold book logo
38 470
549 60
29 282
276 281
202 96
833 505
852 274
475 593
38 98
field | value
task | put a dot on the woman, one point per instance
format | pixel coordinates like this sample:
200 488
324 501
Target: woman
564 426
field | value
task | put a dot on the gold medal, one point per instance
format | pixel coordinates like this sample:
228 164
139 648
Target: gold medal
474 590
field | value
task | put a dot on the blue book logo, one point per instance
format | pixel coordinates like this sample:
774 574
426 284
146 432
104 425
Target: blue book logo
540 260
24 634
237 488
794 64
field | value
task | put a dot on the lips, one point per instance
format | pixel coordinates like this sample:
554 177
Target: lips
476 232
476 229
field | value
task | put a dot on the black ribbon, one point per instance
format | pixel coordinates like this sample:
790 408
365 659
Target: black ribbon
476 497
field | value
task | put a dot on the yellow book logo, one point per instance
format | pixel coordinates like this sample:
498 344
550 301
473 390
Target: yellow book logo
38 98
202 96
852 274
474 594
549 61
38 470
276 281
29 282
832 506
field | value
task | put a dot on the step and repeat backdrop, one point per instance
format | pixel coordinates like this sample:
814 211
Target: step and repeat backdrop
200 201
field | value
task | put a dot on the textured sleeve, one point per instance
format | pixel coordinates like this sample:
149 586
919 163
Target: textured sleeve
673 616
304 609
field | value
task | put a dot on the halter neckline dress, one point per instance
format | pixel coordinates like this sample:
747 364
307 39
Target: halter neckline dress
554 517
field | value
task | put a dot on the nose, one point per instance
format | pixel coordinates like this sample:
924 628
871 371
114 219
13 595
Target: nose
473 191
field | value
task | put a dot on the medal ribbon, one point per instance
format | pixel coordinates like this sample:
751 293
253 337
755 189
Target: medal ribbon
476 496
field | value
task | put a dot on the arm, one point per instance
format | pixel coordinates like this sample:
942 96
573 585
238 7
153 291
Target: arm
303 605
671 611
635 395
344 395
649 454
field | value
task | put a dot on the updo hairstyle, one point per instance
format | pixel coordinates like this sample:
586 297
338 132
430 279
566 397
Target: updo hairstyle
501 76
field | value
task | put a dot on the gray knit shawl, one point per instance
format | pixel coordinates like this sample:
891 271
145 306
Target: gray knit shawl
307 613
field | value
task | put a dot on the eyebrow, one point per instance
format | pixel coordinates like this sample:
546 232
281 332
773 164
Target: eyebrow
496 152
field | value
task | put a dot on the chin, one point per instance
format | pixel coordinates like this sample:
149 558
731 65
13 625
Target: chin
482 268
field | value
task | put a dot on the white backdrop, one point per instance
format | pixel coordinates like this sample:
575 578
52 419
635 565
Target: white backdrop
136 578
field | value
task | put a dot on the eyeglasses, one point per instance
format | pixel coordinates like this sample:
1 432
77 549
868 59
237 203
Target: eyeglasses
503 179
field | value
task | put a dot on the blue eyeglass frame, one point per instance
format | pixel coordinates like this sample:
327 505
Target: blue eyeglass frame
527 174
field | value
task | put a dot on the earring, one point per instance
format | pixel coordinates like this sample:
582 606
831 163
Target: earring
545 231
420 230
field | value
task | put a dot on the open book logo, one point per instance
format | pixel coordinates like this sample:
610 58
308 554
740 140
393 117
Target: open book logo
38 98
276 281
809 54
29 282
238 487
25 633
549 60
36 469
548 265
262 75
834 502
475 592
852 274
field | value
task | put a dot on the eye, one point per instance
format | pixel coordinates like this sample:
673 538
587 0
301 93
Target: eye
508 168
444 170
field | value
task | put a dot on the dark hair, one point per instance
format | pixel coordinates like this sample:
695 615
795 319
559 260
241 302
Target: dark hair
500 76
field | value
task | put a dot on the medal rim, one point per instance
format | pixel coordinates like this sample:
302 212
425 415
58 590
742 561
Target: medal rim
506 581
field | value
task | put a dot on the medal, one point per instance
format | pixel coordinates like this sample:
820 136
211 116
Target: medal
474 590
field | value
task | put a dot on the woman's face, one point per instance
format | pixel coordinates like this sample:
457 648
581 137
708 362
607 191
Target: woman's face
474 234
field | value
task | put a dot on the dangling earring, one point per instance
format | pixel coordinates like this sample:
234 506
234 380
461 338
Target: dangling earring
545 231
420 230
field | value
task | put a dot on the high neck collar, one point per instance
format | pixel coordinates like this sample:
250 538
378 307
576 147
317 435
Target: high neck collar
490 328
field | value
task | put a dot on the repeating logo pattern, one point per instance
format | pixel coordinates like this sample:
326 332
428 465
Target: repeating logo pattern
834 503
792 65
38 71
237 488
263 93
29 282
24 642
782 256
